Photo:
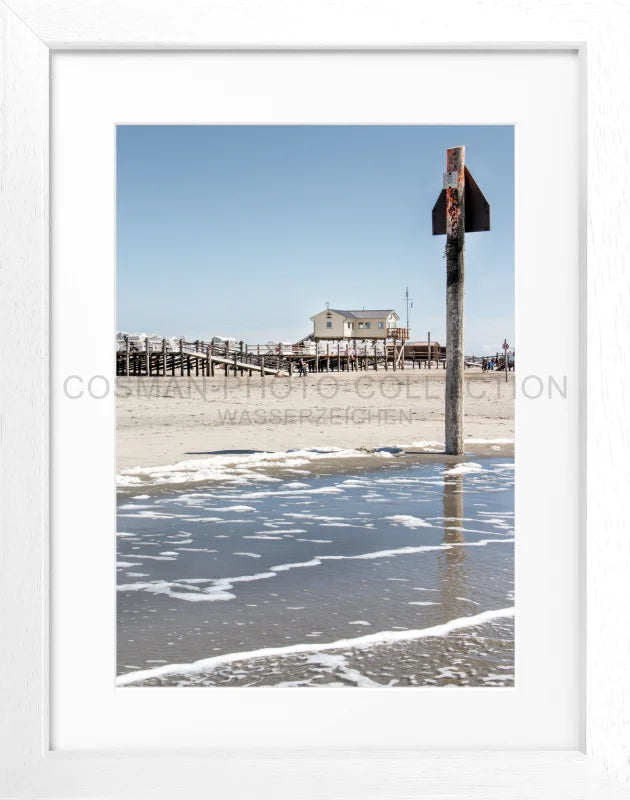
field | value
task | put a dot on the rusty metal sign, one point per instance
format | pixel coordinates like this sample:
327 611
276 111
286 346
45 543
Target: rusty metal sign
476 207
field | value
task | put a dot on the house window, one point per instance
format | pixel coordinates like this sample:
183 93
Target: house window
367 324
361 325
329 324
380 324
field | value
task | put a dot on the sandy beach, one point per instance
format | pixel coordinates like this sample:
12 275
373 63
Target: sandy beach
167 420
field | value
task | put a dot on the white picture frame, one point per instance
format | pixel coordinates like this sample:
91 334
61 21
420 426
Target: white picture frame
29 31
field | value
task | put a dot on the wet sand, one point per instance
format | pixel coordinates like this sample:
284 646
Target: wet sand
322 579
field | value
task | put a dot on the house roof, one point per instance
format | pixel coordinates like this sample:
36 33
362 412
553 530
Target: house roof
365 313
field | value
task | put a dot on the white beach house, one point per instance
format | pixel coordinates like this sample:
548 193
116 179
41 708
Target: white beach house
335 323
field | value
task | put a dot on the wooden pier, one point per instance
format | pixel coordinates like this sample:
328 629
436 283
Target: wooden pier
195 359
202 359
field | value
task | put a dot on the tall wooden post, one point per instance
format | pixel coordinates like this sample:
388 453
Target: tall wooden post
455 236
429 349
181 358
148 356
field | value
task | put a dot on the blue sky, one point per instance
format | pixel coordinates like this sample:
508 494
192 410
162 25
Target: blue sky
247 231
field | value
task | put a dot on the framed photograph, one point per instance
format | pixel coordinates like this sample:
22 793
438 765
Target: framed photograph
273 453
311 482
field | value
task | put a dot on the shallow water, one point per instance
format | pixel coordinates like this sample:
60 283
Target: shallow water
318 559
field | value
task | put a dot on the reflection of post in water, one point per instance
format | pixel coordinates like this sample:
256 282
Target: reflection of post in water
451 560
453 500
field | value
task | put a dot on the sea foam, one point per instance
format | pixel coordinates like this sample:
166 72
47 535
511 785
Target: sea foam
359 642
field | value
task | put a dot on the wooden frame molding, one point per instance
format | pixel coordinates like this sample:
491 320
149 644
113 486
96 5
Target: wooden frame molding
29 31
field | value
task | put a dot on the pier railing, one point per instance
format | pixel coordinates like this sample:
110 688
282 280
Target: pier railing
198 358
152 356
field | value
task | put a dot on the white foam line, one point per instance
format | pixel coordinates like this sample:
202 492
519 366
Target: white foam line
409 521
359 642
231 508
506 532
219 588
152 515
488 441
222 467
400 551
288 493
316 516
466 441
467 468
315 541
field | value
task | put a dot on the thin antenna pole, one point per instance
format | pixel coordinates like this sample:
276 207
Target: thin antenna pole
408 304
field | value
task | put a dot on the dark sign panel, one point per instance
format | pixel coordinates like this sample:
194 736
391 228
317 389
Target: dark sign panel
477 208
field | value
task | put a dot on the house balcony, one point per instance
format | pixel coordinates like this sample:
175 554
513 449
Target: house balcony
398 333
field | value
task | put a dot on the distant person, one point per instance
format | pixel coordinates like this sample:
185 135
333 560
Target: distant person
302 364
484 364
491 365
